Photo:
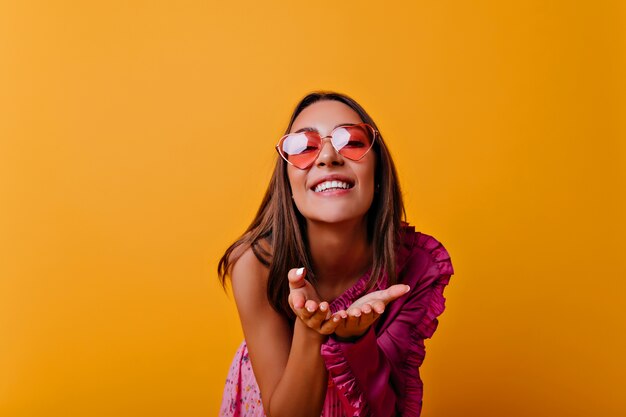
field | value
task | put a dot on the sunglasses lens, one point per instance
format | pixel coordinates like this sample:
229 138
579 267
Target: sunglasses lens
300 149
353 142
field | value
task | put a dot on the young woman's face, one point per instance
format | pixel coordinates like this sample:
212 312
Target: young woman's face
332 205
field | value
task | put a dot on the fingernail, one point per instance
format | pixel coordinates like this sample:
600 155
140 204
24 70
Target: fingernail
309 309
323 307
407 289
300 271
336 319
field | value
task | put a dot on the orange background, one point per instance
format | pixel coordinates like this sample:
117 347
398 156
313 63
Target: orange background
136 140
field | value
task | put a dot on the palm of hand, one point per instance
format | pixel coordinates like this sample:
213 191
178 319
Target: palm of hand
353 323
364 311
305 303
299 296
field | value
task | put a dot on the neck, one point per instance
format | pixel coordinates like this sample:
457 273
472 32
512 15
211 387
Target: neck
340 252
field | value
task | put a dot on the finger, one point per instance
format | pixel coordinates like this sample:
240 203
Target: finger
329 326
354 314
296 278
325 308
366 309
297 299
342 313
310 307
320 314
378 306
367 316
394 292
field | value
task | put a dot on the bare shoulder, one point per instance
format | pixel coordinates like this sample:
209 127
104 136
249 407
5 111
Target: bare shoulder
267 333
263 248
249 280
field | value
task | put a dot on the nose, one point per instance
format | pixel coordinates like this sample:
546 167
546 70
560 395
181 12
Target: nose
328 155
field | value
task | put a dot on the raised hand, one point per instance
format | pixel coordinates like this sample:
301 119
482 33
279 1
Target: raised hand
364 311
305 302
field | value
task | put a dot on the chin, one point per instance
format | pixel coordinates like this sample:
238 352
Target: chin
336 216
334 211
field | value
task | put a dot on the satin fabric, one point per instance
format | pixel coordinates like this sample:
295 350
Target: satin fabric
377 375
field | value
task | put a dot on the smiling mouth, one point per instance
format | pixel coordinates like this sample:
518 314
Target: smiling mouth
327 186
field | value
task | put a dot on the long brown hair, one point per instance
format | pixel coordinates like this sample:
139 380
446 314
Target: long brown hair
281 225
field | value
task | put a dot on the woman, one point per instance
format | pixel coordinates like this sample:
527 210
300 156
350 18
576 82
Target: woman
335 292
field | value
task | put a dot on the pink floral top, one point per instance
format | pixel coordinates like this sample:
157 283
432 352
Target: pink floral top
378 375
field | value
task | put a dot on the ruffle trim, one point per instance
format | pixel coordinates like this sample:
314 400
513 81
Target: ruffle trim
347 298
344 380
413 384
344 301
336 363
439 272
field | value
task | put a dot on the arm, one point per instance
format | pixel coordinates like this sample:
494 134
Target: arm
362 370
288 367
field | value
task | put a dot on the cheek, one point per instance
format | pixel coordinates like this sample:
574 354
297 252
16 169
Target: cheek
296 180
368 173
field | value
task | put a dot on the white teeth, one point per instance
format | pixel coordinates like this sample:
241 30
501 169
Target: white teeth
330 185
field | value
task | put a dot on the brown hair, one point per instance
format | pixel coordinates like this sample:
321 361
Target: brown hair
280 223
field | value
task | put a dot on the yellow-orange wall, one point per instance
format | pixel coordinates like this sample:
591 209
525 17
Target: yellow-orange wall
136 141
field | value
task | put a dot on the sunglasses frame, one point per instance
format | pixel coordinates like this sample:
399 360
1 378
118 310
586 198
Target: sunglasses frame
374 135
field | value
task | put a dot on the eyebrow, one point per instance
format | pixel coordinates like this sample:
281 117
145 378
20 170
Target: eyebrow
312 129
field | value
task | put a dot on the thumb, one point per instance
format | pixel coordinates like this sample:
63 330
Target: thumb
395 291
296 278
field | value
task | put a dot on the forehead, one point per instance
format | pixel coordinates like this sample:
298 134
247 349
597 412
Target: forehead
325 115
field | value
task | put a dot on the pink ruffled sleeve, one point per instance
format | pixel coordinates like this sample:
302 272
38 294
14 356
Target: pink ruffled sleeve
378 375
